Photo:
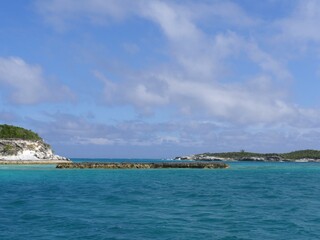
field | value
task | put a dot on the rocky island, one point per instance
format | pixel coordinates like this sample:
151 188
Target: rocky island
22 146
296 156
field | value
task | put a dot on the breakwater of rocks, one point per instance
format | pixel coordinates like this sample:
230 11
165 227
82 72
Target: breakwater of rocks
89 165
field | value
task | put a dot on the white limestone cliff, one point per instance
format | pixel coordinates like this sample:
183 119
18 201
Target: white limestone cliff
27 150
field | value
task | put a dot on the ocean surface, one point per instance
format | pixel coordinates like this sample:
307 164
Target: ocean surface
247 201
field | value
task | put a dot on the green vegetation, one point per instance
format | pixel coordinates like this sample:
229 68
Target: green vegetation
240 154
13 132
312 154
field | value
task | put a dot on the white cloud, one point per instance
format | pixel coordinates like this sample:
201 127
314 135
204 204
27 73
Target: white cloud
303 24
176 25
93 141
267 63
197 79
24 83
143 95
198 90
63 13
234 103
232 13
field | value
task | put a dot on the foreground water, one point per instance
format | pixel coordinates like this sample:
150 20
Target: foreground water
246 201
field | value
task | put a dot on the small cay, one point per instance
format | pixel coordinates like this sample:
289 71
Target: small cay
308 155
21 146
89 165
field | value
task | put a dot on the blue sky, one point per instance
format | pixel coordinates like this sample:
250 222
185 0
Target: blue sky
160 78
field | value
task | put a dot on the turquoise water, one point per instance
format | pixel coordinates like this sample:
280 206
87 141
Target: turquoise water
247 201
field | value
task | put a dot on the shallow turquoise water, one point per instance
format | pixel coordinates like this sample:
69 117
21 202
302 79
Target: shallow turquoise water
247 201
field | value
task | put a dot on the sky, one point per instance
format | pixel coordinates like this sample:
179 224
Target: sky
162 78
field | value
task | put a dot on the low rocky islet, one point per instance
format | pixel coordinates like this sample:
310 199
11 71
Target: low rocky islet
89 165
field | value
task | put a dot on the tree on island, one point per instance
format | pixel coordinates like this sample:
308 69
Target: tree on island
13 132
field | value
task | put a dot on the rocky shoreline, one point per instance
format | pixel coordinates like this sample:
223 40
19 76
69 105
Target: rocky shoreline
89 165
239 159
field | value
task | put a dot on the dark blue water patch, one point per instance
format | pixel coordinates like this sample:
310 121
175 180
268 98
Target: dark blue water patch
246 201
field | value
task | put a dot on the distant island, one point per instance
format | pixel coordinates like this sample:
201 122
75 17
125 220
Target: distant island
22 146
296 156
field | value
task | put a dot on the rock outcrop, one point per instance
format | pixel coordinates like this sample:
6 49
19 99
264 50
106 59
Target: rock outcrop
203 158
141 165
27 151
